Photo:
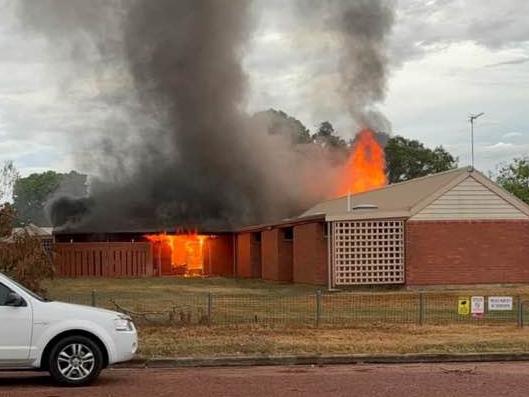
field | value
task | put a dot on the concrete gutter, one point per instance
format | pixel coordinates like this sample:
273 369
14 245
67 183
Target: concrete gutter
246 361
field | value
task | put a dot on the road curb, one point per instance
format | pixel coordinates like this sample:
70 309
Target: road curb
186 362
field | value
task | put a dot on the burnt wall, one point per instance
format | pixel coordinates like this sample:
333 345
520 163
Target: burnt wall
218 256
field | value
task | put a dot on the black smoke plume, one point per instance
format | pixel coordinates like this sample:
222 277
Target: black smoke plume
178 148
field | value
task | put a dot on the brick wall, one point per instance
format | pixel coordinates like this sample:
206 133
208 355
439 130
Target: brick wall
310 254
467 252
218 256
248 255
276 256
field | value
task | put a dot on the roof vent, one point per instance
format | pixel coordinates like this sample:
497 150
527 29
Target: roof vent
365 207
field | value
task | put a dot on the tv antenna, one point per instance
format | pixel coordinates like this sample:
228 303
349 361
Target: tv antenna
472 118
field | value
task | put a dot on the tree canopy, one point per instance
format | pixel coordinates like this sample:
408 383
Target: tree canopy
278 122
326 136
22 255
31 193
407 159
514 177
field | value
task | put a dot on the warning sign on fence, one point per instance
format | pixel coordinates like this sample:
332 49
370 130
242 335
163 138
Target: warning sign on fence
463 306
477 305
500 302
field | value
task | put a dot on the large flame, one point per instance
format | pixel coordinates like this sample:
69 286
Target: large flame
186 250
365 168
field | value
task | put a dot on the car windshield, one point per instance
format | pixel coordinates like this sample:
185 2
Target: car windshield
27 291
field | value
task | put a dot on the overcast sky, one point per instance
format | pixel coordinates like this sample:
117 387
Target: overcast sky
448 59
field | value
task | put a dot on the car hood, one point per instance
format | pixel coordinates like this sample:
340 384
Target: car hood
79 310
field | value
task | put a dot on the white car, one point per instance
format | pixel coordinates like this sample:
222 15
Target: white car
72 342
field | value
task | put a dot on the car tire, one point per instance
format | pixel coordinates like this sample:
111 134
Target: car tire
75 361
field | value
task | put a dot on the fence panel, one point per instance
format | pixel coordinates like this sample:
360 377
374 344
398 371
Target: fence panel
335 310
231 309
442 309
132 259
354 309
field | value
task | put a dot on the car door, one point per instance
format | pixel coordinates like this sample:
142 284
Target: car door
15 331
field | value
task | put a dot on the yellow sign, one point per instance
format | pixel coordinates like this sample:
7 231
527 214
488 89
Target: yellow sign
463 306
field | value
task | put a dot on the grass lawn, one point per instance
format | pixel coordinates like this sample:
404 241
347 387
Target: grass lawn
382 339
235 301
257 317
167 287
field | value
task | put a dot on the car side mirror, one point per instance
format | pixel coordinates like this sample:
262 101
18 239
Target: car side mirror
14 300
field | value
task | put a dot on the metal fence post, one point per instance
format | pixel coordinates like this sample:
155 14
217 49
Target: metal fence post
318 308
210 308
520 312
94 298
421 308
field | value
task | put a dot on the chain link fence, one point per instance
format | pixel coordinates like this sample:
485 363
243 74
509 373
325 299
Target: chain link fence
320 309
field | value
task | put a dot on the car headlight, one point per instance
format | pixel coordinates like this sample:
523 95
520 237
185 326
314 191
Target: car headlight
123 323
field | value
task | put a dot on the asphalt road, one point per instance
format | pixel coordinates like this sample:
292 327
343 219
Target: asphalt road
468 380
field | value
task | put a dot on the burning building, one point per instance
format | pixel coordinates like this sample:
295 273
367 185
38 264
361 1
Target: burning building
143 253
448 228
179 169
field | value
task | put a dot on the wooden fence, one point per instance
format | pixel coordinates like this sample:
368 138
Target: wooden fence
104 259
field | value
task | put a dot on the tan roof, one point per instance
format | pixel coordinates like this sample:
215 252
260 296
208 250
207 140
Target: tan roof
391 201
30 229
399 200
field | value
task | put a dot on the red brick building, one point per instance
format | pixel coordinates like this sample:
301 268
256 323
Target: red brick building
456 227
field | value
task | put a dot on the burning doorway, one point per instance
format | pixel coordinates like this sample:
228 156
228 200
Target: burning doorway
192 254
180 254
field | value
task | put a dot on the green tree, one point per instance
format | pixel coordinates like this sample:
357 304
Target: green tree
22 256
514 177
407 159
326 136
278 122
30 194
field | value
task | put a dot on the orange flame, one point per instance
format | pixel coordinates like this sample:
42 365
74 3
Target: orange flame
187 250
365 168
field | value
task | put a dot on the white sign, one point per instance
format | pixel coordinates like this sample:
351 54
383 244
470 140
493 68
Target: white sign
477 305
500 302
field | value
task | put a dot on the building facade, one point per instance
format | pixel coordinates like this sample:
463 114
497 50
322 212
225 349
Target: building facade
456 227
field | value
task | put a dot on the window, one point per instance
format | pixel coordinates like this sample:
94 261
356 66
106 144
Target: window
30 293
4 291
256 237
325 229
288 233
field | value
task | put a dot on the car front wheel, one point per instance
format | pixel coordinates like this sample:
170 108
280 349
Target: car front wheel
75 361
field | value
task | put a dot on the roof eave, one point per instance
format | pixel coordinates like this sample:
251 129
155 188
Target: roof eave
348 216
284 223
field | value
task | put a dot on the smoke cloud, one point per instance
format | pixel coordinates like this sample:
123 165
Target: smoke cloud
177 148
360 30
364 27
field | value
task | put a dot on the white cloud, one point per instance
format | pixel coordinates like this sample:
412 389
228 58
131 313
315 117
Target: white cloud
512 135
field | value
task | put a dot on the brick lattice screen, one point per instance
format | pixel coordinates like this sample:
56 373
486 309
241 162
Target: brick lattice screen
368 252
